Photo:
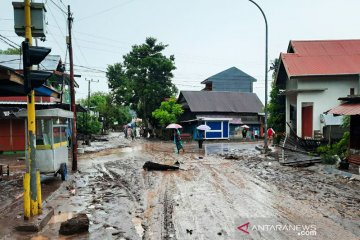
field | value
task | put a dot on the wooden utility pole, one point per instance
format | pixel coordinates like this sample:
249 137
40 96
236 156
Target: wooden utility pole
72 93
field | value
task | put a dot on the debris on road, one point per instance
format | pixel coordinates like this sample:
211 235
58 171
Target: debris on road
77 224
296 153
149 166
230 156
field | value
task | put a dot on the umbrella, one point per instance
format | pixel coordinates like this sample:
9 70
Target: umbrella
203 127
174 125
244 126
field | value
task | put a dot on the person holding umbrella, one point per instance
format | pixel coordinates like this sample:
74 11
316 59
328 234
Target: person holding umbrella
201 133
177 140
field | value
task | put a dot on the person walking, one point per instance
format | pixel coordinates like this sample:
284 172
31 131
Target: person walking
271 133
177 140
200 137
129 133
244 133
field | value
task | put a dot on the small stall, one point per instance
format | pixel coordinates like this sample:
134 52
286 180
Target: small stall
52 136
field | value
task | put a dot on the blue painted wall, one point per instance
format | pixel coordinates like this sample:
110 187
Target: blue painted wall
222 128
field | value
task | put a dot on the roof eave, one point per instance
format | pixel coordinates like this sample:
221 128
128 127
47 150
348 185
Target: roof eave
323 75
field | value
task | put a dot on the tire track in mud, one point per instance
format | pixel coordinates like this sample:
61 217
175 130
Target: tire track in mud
154 215
158 215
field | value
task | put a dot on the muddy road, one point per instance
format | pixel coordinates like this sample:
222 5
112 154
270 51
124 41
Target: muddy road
251 197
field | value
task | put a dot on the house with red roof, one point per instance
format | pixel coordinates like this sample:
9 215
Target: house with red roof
313 75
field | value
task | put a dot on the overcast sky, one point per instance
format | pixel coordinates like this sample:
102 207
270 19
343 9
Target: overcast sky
206 36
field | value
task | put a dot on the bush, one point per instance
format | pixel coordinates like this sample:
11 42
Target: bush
328 153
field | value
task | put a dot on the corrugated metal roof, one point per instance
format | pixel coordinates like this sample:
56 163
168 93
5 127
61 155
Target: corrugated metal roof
326 47
329 119
328 57
15 62
296 65
229 74
231 102
346 109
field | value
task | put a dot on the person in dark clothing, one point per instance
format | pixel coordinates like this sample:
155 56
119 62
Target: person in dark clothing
200 137
244 132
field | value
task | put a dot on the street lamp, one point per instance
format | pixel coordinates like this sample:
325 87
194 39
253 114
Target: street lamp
266 72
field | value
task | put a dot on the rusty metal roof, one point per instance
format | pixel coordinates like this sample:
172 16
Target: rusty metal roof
328 57
346 109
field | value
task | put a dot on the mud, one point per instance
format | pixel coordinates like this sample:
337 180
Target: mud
208 198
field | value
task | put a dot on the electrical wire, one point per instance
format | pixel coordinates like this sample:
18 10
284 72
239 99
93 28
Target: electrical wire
62 10
63 4
106 10
9 40
12 60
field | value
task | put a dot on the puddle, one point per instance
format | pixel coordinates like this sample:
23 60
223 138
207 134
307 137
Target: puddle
131 149
138 227
62 217
224 148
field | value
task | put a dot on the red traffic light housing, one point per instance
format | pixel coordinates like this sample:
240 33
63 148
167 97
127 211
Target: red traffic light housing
34 56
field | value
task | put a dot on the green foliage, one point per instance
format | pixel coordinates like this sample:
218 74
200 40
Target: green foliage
111 112
345 123
276 106
143 80
339 148
87 124
168 112
11 51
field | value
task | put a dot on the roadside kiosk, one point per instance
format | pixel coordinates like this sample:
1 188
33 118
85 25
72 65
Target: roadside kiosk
52 140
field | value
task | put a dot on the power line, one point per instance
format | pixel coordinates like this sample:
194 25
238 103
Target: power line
63 4
89 68
80 50
57 43
7 39
56 22
106 10
62 10
12 60
8 43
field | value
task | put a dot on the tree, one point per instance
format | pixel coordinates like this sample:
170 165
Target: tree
168 112
11 51
111 113
143 80
276 106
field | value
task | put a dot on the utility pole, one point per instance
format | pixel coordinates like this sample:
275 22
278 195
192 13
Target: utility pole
72 93
88 102
31 193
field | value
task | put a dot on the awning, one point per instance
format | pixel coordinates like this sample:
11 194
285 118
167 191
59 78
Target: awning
346 109
47 113
236 121
329 119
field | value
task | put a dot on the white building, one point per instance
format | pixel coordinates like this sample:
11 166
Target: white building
313 75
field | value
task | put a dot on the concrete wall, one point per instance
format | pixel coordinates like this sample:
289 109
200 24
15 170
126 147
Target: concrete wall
321 100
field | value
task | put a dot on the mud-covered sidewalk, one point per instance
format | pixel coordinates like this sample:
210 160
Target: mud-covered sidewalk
251 197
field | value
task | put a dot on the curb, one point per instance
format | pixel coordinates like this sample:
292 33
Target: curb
36 223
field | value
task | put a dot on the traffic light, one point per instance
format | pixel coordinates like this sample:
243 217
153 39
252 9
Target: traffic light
33 56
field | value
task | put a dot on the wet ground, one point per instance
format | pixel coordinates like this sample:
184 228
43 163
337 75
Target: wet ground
209 198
